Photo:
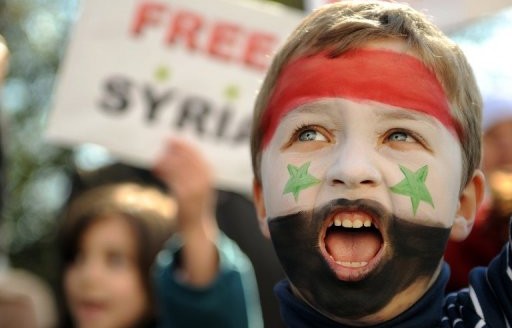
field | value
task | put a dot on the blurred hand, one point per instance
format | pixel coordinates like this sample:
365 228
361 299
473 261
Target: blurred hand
189 177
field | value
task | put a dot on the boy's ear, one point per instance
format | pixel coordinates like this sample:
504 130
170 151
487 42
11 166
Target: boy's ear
469 201
259 203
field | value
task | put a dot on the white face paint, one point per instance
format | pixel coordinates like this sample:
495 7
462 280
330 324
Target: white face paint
356 150
374 192
360 195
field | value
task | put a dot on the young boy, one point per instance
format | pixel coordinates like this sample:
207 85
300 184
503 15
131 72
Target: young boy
366 147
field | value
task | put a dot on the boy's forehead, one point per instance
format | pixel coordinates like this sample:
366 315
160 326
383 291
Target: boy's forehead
370 74
329 108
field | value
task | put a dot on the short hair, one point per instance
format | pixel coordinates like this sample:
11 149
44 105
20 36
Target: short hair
346 25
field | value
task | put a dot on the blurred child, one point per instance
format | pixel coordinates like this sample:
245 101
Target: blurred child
366 146
111 234
109 238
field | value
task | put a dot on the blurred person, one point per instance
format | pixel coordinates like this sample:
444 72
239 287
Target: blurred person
489 233
236 217
108 240
111 234
25 299
497 127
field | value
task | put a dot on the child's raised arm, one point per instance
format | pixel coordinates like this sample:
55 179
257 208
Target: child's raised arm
202 277
188 175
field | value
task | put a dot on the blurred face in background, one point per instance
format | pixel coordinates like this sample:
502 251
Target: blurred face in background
497 145
103 285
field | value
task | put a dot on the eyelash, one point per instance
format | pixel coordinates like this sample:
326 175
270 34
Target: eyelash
409 133
304 127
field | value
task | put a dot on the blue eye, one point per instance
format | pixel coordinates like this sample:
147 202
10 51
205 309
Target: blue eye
400 136
307 135
311 135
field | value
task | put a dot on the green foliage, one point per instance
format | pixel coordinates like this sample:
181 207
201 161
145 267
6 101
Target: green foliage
36 182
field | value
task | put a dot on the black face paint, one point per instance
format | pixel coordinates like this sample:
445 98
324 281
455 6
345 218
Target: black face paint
415 251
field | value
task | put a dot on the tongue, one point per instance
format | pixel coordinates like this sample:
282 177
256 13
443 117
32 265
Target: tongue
352 246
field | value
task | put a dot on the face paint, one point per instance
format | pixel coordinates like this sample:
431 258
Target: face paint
299 179
383 76
412 251
413 185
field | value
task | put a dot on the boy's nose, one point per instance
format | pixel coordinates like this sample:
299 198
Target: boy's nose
354 167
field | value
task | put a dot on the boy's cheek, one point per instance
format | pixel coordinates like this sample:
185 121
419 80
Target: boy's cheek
403 208
439 212
290 183
278 204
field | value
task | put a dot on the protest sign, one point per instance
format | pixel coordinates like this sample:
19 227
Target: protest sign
138 71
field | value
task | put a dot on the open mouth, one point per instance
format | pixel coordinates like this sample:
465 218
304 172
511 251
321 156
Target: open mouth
351 244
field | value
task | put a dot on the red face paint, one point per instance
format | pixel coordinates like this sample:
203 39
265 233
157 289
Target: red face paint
383 76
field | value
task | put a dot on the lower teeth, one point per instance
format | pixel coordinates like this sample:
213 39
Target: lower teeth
352 264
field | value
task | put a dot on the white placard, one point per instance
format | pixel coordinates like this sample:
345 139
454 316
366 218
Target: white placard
138 71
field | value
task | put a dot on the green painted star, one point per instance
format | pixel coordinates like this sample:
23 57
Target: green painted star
162 73
413 185
232 92
299 179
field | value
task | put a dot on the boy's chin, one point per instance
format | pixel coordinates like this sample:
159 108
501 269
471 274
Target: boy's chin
397 305
353 273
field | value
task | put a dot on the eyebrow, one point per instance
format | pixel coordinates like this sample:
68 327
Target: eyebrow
385 114
404 114
324 106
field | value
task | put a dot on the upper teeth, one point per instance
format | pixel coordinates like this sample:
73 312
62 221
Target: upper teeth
347 223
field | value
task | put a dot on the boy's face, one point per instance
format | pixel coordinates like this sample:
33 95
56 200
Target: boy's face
360 196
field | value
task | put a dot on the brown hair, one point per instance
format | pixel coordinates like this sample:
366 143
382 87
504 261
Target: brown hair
149 211
347 25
